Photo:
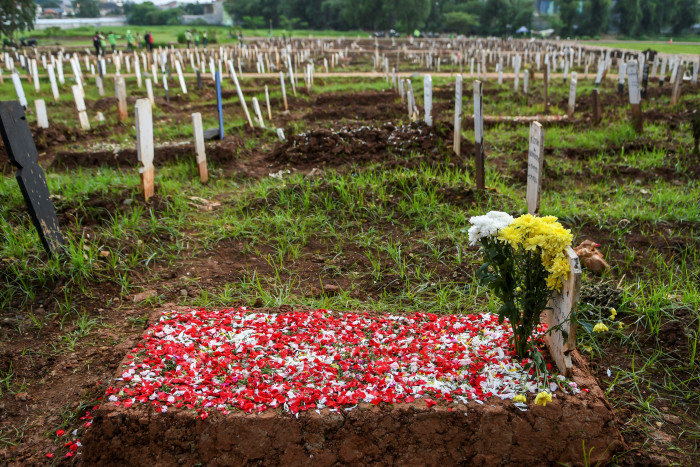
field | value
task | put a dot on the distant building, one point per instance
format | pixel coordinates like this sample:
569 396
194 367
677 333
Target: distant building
214 13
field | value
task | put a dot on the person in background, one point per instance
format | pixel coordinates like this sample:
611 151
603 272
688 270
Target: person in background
97 43
205 39
112 38
196 38
188 38
103 42
129 41
149 41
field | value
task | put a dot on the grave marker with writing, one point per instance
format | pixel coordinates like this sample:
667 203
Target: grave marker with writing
144 145
535 162
21 151
479 135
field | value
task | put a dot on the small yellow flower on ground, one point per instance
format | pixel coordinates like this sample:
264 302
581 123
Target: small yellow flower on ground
520 398
518 290
600 327
613 313
542 398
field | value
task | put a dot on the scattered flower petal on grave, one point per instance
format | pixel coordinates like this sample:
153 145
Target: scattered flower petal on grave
230 359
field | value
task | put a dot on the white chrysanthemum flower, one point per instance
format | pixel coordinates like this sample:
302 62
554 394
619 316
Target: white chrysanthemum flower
488 225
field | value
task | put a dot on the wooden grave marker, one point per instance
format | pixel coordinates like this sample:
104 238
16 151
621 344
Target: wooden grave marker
457 142
284 92
201 157
572 94
258 113
180 76
676 94
30 176
19 90
149 92
535 161
635 96
144 145
80 105
217 133
428 99
242 100
120 85
597 110
42 120
267 102
479 135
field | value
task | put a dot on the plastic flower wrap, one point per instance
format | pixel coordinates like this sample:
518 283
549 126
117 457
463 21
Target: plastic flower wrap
525 262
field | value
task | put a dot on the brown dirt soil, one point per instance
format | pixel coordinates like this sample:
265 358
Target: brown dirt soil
413 434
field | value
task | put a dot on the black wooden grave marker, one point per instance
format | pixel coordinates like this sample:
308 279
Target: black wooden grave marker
30 176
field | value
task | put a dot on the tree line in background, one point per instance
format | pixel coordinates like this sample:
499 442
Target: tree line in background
572 18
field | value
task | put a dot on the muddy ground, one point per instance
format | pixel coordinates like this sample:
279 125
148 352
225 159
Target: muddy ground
343 132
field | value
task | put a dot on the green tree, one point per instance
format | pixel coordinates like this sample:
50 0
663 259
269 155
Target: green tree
629 16
568 13
459 22
86 8
596 14
684 14
16 16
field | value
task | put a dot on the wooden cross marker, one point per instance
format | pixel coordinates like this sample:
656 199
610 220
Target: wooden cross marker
80 105
144 145
535 161
201 156
458 116
42 120
30 176
428 99
479 135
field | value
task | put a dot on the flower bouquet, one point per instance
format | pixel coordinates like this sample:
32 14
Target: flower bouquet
525 262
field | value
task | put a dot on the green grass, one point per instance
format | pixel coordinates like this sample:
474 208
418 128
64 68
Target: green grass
663 47
392 235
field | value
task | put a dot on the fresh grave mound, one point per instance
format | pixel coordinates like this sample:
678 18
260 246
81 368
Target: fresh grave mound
229 386
362 145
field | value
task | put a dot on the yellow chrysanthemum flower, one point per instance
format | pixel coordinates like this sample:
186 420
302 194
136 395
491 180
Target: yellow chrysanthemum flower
542 398
600 327
520 398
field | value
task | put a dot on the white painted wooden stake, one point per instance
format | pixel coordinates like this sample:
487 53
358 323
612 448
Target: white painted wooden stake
35 76
258 113
120 86
137 70
240 98
80 105
144 145
42 120
154 72
178 67
267 101
526 81
633 78
17 82
284 92
100 86
696 65
201 157
149 92
458 116
572 94
428 99
535 163
52 82
478 113
59 70
280 134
